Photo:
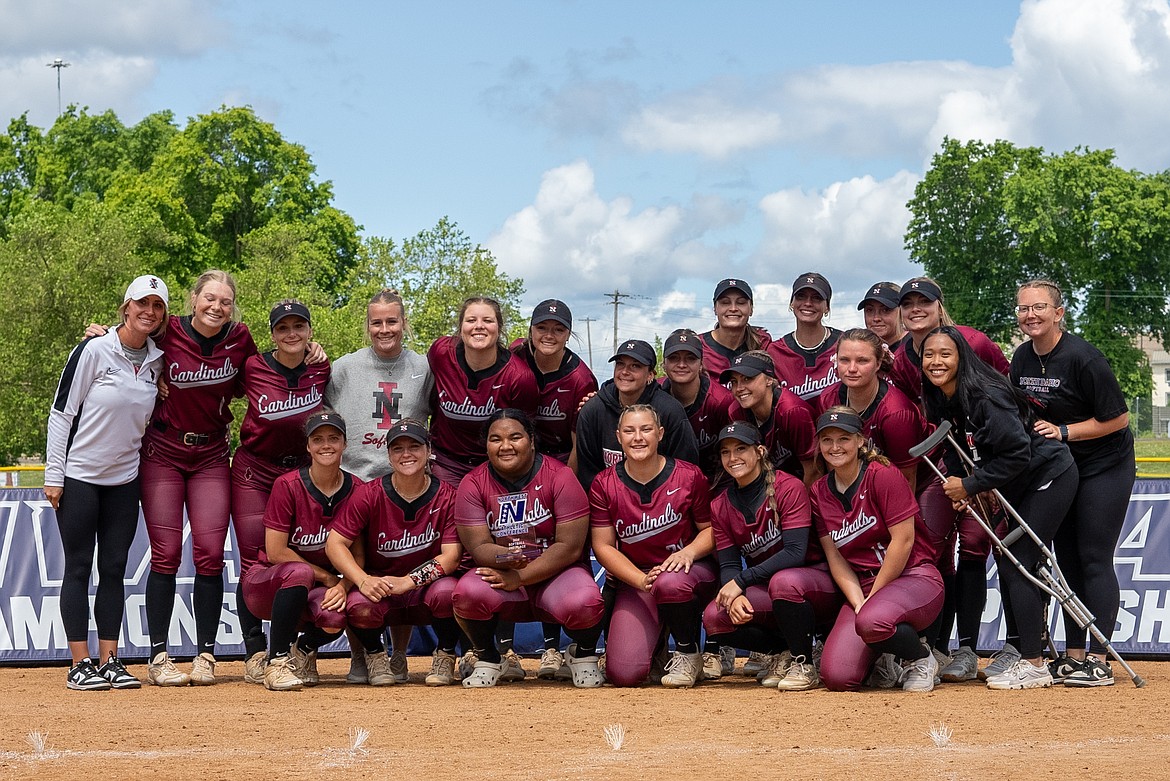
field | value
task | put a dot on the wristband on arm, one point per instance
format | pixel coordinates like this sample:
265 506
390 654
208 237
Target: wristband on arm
427 572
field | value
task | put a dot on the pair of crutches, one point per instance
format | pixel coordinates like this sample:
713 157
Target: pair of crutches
1048 577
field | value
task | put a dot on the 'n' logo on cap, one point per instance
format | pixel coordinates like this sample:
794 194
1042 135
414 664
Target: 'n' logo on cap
913 285
288 307
403 427
739 360
551 309
730 429
809 280
154 283
732 282
682 337
832 416
629 345
875 291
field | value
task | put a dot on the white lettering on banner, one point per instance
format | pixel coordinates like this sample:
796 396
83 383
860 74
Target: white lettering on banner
286 408
1155 610
9 514
204 375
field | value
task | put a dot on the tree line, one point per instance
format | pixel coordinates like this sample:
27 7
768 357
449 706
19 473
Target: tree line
90 203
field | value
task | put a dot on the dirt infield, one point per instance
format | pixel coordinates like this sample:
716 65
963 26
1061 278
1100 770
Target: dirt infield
535 730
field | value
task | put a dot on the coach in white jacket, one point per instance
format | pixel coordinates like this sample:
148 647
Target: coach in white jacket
104 400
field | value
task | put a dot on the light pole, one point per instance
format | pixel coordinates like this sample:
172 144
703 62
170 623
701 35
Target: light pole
58 64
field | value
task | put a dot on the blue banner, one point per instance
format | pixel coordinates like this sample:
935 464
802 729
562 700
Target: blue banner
31 565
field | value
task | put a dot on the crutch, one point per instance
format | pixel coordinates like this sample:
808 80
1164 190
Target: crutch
1051 580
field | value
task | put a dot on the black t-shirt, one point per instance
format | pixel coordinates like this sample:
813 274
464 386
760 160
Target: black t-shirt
1074 383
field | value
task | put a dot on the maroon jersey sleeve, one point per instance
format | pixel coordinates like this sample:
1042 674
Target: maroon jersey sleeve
986 349
446 501
723 515
896 426
600 503
795 425
282 505
700 507
356 516
895 501
471 498
906 374
569 499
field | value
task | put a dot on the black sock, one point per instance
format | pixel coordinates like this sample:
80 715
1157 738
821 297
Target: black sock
160 604
970 596
287 606
483 638
904 643
313 638
586 640
682 619
251 626
208 602
447 634
552 636
797 621
505 636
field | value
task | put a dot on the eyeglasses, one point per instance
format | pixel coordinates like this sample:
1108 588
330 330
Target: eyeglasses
1039 309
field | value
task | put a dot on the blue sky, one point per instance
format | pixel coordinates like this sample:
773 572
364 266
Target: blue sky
654 147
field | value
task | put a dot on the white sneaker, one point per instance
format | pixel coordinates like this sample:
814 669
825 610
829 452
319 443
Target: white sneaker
442 669
466 665
162 672
801 676
254 667
777 669
964 666
398 667
551 662
683 671
304 665
203 670
484 675
920 674
1022 675
378 669
513 670
1001 661
712 667
280 676
585 669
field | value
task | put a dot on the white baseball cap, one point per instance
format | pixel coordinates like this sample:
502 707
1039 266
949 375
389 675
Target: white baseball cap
146 285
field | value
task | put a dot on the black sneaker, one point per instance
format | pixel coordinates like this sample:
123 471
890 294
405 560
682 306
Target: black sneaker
83 677
1093 672
115 672
1062 667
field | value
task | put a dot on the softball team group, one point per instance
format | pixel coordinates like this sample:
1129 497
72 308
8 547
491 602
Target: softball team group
760 496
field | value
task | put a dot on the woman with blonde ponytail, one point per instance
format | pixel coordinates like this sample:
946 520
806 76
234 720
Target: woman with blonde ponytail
771 605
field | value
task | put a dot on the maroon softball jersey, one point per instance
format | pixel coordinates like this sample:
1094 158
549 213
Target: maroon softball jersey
203 376
462 399
654 520
789 433
907 371
279 401
560 397
859 520
805 372
710 412
399 535
892 421
717 358
759 538
297 508
529 509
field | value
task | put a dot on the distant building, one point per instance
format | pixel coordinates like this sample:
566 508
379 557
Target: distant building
1160 368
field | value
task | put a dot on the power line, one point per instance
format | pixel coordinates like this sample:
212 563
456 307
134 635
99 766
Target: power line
617 296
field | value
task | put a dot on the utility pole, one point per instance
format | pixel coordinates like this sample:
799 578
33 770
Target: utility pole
58 64
617 296
589 338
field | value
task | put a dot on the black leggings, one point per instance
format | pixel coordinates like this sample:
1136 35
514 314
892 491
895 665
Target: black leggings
102 518
1044 510
1085 546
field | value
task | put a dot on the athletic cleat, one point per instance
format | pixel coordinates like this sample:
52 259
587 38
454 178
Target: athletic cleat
358 670
203 670
943 660
920 674
964 666
162 672
513 670
442 669
484 675
658 665
378 669
886 673
551 662
1062 667
83 677
116 673
777 669
304 665
280 675
398 667
683 671
466 664
1001 661
801 676
712 667
755 664
585 669
726 660
254 667
1092 672
1022 675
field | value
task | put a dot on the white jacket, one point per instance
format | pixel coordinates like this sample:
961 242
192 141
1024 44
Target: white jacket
100 413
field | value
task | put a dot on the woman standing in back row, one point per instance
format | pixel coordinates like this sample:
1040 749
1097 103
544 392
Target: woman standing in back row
1084 407
732 335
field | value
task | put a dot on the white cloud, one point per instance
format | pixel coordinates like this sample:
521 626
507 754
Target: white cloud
852 232
96 79
126 27
703 124
572 240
